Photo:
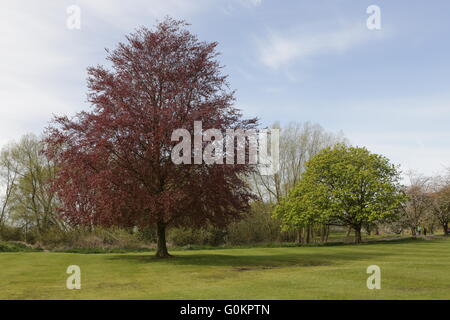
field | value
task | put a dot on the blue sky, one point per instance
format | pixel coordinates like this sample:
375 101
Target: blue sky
298 60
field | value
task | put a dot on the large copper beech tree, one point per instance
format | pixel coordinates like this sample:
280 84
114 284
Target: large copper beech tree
114 161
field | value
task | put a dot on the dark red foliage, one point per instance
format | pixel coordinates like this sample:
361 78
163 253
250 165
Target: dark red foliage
114 165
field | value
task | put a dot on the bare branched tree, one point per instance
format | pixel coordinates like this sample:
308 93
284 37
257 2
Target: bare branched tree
28 201
440 202
8 176
414 211
299 142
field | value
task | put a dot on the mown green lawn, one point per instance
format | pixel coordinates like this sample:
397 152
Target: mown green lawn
409 270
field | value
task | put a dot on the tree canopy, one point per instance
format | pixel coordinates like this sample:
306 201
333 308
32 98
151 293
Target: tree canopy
114 162
343 185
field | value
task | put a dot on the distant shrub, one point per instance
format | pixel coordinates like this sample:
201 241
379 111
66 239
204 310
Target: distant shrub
216 236
97 238
257 226
102 250
15 247
9 233
147 234
210 236
187 236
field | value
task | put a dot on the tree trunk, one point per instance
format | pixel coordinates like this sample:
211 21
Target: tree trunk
308 234
348 231
161 249
445 226
322 234
299 235
357 234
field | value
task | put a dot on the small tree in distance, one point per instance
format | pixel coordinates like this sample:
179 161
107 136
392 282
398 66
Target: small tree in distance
415 209
440 203
114 162
343 186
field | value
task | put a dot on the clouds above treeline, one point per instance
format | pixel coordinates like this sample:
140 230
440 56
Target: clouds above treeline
288 60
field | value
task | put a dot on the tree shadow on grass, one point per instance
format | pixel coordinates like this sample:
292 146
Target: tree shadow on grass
252 262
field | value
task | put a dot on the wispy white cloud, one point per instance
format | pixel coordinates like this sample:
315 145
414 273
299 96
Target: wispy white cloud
229 7
30 36
43 66
419 108
254 3
416 151
411 131
123 15
278 49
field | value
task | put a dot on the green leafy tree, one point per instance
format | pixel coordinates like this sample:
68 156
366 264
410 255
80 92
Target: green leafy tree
346 186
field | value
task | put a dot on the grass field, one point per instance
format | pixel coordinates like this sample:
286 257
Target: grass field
414 269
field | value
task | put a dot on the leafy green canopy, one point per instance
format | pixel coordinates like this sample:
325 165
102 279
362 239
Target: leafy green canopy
343 185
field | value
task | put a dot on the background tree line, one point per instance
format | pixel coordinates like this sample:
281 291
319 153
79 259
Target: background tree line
29 204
